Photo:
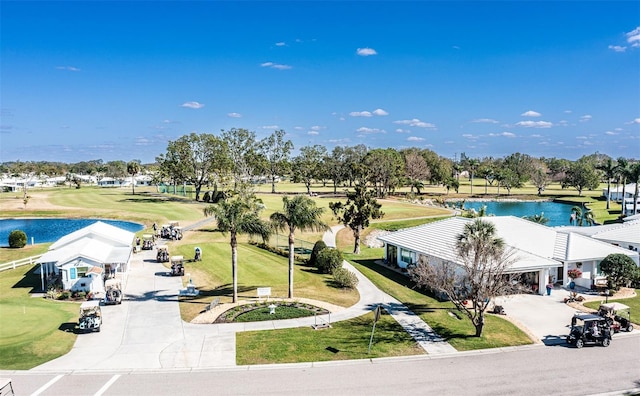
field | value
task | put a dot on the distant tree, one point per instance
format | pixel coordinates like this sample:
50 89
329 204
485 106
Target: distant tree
539 177
416 167
440 168
133 168
623 169
478 275
357 172
386 169
336 167
537 218
472 166
451 183
519 168
634 177
619 269
238 215
357 212
608 168
329 260
582 175
306 166
300 213
275 151
242 151
487 171
576 216
116 170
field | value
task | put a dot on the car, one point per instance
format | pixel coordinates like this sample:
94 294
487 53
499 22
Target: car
619 316
589 329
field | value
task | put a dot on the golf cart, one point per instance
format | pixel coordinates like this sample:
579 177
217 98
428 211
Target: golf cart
177 266
90 316
147 241
589 329
163 254
618 315
112 292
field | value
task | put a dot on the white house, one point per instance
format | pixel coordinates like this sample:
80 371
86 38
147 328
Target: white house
83 257
109 182
626 234
541 254
616 192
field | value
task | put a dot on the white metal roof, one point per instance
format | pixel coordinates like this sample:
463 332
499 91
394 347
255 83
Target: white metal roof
116 236
87 248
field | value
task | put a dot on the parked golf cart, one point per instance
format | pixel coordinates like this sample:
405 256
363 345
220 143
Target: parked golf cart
112 291
90 316
177 266
148 240
618 315
589 329
163 254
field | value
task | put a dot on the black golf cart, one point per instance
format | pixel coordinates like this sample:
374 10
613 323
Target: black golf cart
589 329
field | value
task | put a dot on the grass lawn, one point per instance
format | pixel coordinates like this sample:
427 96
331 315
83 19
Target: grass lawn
8 254
633 303
33 330
344 340
256 268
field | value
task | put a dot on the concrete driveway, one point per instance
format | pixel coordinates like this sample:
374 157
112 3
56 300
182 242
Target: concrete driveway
546 317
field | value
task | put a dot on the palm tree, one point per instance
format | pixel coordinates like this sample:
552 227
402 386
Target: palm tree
588 218
538 218
609 168
133 168
634 176
473 164
576 216
622 171
300 213
238 215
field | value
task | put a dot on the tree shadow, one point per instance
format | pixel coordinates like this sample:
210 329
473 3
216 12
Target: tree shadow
225 290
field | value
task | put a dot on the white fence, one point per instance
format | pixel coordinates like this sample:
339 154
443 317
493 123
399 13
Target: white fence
19 263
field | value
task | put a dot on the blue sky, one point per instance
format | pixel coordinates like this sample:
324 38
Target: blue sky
86 80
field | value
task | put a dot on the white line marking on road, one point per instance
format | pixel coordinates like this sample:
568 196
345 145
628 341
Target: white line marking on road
107 385
48 384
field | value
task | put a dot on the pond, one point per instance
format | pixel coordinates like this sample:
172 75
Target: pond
558 213
50 230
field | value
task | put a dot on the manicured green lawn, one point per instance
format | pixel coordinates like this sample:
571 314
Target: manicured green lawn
344 340
633 303
32 330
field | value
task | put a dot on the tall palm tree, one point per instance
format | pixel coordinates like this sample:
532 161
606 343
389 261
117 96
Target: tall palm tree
538 218
609 168
576 216
133 168
622 171
473 165
239 215
634 176
300 213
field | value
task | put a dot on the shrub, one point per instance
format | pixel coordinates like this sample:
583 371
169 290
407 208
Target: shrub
17 239
317 248
328 260
65 295
345 278
619 268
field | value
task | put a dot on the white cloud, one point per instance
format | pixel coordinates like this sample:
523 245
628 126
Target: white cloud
534 124
234 115
568 111
366 51
617 48
280 44
415 123
563 122
192 105
535 135
582 137
485 121
275 66
313 133
505 134
370 130
400 130
299 128
636 121
317 128
415 139
380 112
585 118
448 142
360 114
340 141
633 37
611 133
270 127
531 113
68 68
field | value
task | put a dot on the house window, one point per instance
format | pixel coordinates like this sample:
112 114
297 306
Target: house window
407 256
82 271
72 273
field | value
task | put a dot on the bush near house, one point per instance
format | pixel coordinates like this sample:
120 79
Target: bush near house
17 239
345 278
620 270
329 260
317 248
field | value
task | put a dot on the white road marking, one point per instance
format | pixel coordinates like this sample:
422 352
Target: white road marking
48 384
107 385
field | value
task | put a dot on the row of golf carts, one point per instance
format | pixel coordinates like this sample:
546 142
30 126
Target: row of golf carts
594 329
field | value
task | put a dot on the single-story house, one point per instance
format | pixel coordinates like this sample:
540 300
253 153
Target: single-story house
541 254
626 234
82 258
616 192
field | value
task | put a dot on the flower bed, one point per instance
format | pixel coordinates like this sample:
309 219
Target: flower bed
261 311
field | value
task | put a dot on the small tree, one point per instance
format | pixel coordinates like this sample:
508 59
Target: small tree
329 260
317 248
17 239
479 274
345 278
619 268
356 213
133 168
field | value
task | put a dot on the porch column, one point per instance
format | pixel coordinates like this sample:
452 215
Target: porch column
543 280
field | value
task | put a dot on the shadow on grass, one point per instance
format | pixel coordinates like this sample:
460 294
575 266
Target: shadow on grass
225 290
30 280
68 327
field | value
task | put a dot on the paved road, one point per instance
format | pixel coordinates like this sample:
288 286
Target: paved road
533 370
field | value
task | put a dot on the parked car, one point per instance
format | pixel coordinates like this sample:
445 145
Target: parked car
589 329
90 316
619 316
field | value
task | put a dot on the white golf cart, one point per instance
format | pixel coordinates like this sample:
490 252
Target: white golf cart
90 316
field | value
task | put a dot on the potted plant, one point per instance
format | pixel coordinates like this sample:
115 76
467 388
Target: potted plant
573 274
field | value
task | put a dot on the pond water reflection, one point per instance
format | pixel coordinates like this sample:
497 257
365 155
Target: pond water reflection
50 230
557 213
